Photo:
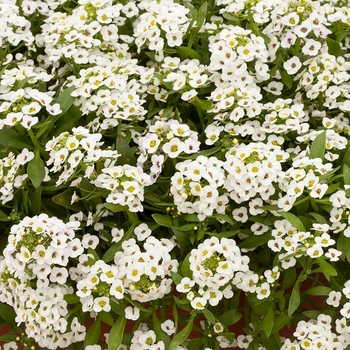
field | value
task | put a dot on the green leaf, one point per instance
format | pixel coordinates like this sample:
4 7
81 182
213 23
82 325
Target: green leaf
203 105
319 218
223 217
11 138
326 268
209 316
319 290
8 338
181 336
176 277
93 334
197 23
286 79
65 100
346 174
185 267
163 220
280 322
116 334
294 220
333 47
161 335
71 299
64 199
127 156
343 244
268 321
185 52
318 146
254 241
36 170
7 313
107 318
229 317
294 301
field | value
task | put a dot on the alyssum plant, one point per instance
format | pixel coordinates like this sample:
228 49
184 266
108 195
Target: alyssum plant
175 174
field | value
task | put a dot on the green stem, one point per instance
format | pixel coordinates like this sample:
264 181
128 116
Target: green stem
36 143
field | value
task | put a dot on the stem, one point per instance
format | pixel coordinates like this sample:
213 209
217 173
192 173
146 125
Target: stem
36 143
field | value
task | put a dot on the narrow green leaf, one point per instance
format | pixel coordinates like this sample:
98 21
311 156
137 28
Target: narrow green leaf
294 220
319 290
7 313
93 333
286 79
319 218
115 337
255 241
8 337
223 217
294 301
333 47
346 174
318 146
180 337
36 170
71 298
268 321
65 99
11 138
176 277
127 155
163 220
209 316
229 317
326 268
185 52
161 335
198 22
343 244
280 322
64 199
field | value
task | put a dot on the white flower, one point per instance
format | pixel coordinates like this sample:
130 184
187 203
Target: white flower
292 65
132 313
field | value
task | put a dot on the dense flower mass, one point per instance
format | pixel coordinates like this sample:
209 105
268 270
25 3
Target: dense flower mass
175 175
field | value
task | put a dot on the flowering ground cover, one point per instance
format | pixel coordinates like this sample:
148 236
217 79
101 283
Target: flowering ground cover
175 175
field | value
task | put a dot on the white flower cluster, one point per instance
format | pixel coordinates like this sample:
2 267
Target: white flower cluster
339 214
327 74
253 169
165 139
33 276
69 149
292 244
126 185
112 89
316 334
92 27
97 284
145 338
213 266
23 105
14 28
195 186
12 175
187 77
342 324
146 272
284 115
162 23
305 175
